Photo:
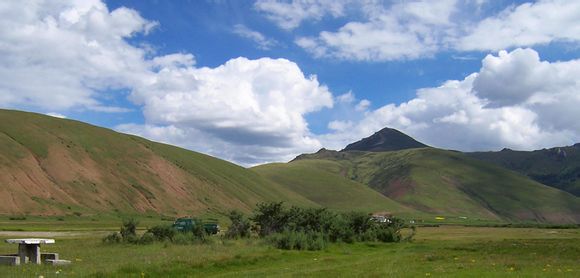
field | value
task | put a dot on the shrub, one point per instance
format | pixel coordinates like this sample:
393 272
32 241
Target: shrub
183 238
198 231
129 228
311 228
162 232
269 218
147 238
112 238
240 227
292 240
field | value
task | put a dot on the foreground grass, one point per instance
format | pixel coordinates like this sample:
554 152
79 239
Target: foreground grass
442 251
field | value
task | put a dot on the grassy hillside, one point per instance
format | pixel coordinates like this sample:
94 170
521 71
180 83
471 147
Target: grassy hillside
55 166
556 167
450 183
321 181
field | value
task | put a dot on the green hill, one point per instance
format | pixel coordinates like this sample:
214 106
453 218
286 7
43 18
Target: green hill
556 167
56 166
450 183
322 182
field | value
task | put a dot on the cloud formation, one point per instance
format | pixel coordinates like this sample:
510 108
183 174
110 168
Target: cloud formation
528 24
252 106
515 100
248 111
407 30
252 111
61 54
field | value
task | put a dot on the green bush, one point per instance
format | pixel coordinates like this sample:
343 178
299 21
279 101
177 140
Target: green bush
112 238
129 230
270 218
240 227
147 238
162 232
292 240
311 228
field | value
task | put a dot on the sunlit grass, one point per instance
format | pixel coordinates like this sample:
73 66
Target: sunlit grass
436 252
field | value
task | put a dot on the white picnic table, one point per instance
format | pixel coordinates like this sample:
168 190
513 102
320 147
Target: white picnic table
29 248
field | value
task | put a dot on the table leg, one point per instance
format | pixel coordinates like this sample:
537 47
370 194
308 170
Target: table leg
29 253
23 253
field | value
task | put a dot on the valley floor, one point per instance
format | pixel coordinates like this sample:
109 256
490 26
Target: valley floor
436 252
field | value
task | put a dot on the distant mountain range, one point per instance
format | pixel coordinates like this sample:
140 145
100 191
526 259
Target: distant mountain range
56 166
557 167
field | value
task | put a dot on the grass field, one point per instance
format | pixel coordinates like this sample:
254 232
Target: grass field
436 251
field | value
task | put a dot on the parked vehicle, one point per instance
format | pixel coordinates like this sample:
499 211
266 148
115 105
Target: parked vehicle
188 224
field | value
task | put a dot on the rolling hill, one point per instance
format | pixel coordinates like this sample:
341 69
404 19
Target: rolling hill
557 167
56 166
450 183
322 182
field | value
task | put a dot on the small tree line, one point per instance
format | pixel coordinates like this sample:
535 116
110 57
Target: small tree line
283 227
313 228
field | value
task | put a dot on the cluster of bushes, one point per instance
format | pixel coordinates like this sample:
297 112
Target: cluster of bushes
285 228
312 228
159 233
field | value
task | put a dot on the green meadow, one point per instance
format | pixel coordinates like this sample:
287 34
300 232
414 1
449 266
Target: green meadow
446 250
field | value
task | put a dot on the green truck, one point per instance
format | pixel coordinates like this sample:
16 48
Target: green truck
187 224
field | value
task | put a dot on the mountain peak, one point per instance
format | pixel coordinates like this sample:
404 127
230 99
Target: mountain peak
386 139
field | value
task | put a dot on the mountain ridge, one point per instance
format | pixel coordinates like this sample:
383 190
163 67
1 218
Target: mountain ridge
386 139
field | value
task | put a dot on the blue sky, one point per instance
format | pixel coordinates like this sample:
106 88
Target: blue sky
262 81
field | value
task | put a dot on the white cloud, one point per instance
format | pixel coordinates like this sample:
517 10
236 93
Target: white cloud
340 125
363 105
406 30
346 98
485 111
526 25
289 15
257 37
68 55
245 106
60 54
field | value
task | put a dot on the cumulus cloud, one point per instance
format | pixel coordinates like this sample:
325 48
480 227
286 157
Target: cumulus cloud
262 41
487 110
60 54
253 106
63 55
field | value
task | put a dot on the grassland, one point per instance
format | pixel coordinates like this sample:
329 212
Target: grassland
447 183
320 182
454 251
